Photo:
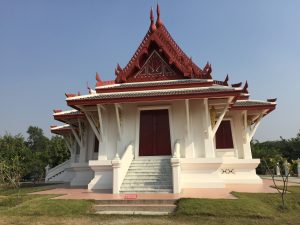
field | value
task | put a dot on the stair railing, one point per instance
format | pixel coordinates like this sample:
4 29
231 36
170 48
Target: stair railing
121 166
176 169
176 153
57 170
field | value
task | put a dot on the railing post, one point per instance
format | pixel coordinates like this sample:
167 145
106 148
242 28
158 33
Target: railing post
298 167
116 165
176 170
47 169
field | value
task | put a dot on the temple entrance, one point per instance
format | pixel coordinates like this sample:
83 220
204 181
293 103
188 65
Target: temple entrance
154 133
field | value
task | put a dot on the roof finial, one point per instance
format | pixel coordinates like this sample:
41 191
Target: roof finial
98 79
226 80
158 20
245 89
152 25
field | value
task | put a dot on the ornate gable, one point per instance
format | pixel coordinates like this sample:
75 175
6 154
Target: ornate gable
155 68
159 57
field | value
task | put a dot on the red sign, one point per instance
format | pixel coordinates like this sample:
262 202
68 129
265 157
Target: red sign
130 196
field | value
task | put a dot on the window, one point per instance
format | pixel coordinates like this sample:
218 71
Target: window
224 136
96 145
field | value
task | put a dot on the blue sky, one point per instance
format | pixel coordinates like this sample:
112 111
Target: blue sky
48 48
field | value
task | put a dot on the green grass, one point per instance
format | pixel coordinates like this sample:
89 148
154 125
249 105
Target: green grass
19 207
21 203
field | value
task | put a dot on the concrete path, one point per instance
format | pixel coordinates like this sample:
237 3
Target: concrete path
210 193
292 180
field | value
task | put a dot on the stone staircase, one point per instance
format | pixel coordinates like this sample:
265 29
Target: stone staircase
148 175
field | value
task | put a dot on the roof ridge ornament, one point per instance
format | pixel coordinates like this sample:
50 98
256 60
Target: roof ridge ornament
272 100
207 70
158 20
245 89
98 79
152 25
57 110
226 80
237 85
70 95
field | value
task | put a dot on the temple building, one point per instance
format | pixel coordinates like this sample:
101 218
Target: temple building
162 125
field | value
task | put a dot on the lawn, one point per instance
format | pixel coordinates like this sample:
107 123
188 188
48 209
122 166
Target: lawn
19 207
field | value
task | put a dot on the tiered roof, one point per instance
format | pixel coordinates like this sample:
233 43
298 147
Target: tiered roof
160 70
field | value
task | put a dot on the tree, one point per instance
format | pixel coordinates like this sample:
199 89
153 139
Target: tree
285 169
57 151
36 140
286 148
14 159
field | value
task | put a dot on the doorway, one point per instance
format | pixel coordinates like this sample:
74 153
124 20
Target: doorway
154 137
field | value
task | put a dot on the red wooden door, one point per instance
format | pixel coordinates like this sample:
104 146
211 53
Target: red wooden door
154 133
224 136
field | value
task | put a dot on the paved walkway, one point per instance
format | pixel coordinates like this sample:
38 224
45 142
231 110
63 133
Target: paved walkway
292 180
66 192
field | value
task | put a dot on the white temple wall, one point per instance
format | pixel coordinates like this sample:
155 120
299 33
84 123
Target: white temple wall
179 124
191 147
128 125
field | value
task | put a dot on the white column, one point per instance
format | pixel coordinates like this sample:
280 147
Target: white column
102 114
83 149
208 141
248 134
189 143
246 145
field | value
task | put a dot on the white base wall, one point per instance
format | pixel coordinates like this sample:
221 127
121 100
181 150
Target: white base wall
68 175
82 174
103 178
216 173
200 173
194 173
58 178
240 171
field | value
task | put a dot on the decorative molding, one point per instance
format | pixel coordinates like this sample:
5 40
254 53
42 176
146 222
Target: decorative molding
227 171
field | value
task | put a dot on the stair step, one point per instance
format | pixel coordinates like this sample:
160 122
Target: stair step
151 166
145 190
144 213
145 174
149 170
158 186
134 207
147 177
145 187
152 160
151 163
147 181
136 201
